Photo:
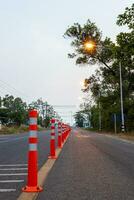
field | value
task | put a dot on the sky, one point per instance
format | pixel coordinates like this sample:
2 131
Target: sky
33 52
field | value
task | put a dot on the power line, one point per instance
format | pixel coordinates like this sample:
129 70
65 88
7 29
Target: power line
6 85
2 92
64 106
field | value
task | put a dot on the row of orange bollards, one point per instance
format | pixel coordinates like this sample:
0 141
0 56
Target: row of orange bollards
63 133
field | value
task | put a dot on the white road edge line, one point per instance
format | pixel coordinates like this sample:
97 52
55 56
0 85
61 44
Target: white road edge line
7 190
12 181
18 174
13 139
12 165
13 169
4 138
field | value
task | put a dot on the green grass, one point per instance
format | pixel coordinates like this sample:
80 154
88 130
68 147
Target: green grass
18 129
13 129
110 132
127 135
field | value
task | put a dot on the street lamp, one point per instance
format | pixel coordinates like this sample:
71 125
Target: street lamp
90 45
82 83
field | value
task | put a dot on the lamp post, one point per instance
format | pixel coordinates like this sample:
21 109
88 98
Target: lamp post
99 112
121 98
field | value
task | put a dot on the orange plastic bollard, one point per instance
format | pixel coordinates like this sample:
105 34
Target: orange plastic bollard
32 185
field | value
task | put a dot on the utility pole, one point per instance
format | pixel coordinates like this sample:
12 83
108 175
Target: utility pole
121 99
46 109
99 113
115 124
71 122
42 113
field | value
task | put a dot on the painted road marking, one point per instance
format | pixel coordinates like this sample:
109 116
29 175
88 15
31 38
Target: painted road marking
13 139
18 174
13 165
13 169
83 136
10 168
12 181
4 138
7 190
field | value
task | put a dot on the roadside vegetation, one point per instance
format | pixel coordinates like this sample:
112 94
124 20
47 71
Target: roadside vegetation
102 104
13 129
14 114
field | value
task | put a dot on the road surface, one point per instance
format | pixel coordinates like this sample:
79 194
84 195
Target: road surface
92 167
13 162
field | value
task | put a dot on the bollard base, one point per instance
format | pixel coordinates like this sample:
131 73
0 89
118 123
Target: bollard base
52 157
32 189
60 147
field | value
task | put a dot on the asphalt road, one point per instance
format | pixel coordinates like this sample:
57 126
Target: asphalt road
92 167
13 162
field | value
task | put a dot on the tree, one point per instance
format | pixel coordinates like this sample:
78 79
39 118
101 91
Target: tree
103 51
127 18
19 113
79 119
15 111
108 55
45 111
